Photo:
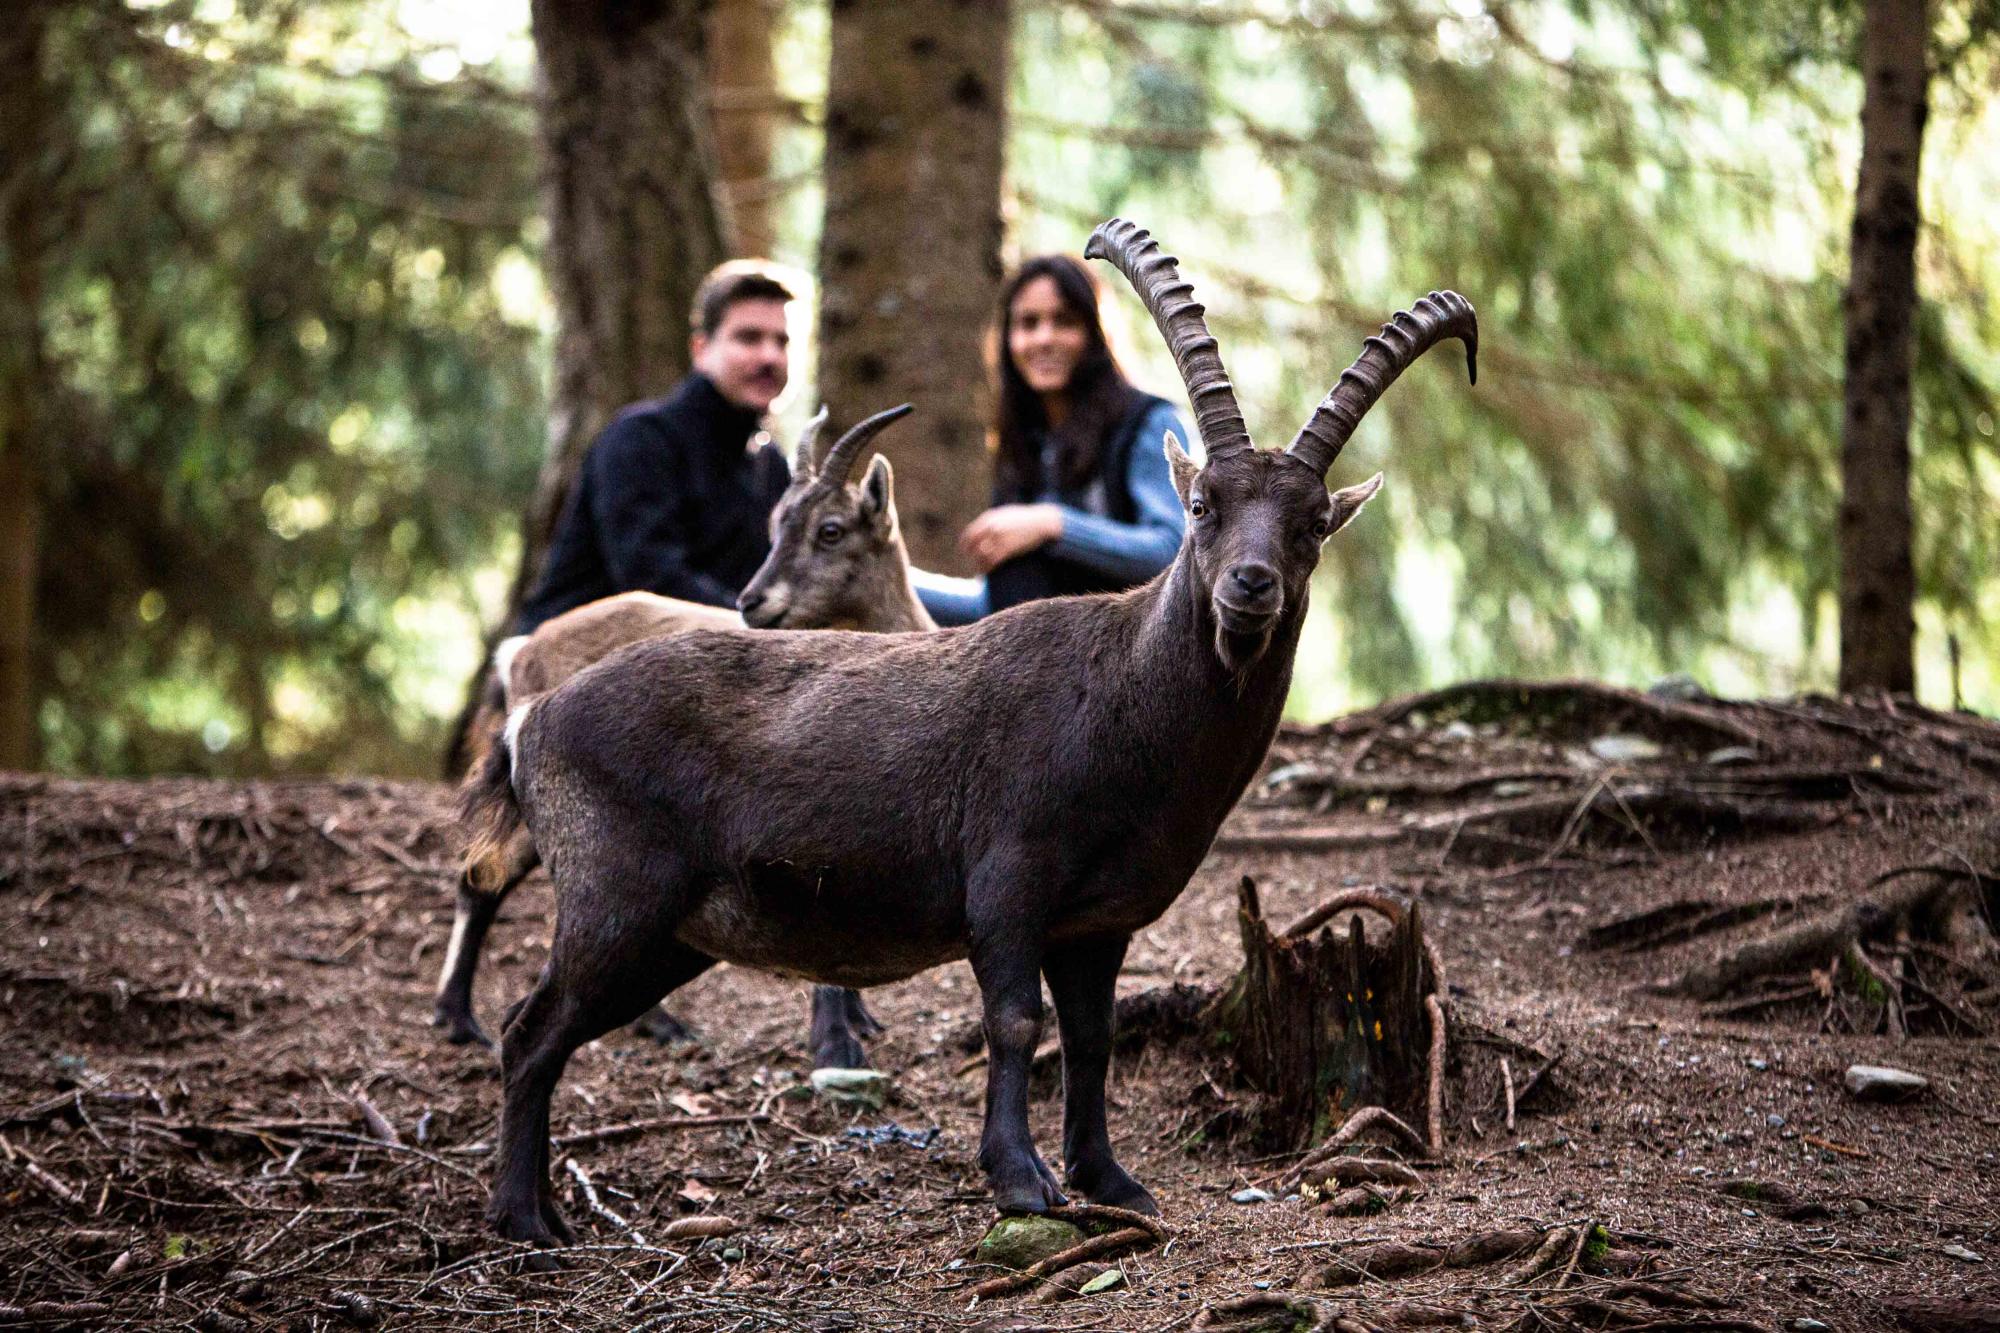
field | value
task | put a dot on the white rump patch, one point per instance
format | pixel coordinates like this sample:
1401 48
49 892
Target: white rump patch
511 738
503 662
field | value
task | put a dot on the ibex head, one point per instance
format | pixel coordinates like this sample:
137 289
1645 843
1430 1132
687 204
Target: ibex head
833 542
1257 517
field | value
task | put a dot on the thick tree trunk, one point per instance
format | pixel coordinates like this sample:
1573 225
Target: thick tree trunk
743 93
910 253
1877 574
23 374
634 225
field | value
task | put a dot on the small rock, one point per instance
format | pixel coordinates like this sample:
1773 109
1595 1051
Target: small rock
1959 1252
1022 1242
1759 1065
1880 1083
1290 773
1624 749
1069 1284
1774 1120
1809 1326
1730 754
1261 1285
1515 787
1458 731
1251 1196
1679 685
853 1087
1104 1281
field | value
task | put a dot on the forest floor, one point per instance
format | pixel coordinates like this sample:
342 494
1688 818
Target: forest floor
217 1001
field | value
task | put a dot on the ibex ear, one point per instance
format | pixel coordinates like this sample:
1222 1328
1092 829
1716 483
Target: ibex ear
1183 467
878 495
1347 503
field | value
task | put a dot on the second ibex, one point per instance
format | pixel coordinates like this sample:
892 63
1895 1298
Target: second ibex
1025 792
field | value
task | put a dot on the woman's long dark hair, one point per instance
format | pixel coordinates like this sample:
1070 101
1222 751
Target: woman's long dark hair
1099 394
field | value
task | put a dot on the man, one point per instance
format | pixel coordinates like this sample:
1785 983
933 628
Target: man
672 497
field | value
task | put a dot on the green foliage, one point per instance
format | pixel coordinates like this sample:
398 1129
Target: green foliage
1648 203
294 309
293 303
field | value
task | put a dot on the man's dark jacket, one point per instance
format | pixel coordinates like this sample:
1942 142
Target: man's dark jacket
670 499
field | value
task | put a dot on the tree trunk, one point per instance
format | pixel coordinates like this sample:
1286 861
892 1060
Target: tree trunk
910 252
1326 1021
743 95
23 374
1877 574
634 225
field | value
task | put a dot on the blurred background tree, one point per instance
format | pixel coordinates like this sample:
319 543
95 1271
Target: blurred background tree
287 391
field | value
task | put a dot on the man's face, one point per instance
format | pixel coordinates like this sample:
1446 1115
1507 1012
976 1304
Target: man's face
747 355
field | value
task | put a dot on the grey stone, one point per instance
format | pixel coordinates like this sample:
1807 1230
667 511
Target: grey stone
1730 754
1251 1196
1959 1252
1624 749
1880 1083
852 1087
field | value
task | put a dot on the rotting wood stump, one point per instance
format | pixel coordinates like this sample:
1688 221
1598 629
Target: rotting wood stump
1327 1022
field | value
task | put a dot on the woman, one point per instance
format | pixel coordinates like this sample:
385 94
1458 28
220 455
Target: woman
1082 500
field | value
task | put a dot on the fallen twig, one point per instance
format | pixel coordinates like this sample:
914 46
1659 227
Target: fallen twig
597 1205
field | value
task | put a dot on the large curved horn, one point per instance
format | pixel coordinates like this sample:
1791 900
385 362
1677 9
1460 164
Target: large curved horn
840 458
1386 355
1170 300
802 448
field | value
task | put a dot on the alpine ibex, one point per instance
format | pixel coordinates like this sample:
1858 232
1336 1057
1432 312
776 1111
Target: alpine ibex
1025 792
837 561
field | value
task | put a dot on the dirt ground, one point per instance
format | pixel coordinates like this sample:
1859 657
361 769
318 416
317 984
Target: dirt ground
209 989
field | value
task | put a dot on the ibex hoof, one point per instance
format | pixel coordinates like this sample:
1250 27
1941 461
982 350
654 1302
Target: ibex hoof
661 1026
460 1027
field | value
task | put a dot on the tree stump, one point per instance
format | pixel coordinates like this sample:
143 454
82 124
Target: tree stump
1326 1021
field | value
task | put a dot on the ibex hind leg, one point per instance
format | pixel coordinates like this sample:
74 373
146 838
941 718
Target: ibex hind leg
588 988
839 1021
474 916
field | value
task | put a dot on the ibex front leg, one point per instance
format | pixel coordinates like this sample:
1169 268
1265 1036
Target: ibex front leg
1006 959
1083 978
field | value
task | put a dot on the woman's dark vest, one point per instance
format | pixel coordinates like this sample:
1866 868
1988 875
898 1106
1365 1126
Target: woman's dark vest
1039 574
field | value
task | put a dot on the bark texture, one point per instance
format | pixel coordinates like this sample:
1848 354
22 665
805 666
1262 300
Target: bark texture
743 94
629 175
1326 1021
23 373
910 251
628 167
1877 573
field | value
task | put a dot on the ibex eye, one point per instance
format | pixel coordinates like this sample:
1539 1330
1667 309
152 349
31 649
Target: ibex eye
831 532
1197 508
1321 526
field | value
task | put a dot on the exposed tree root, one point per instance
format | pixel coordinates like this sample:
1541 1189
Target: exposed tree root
1900 895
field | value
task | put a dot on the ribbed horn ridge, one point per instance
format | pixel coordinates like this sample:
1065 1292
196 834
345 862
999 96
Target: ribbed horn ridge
1385 355
1170 300
803 464
840 458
